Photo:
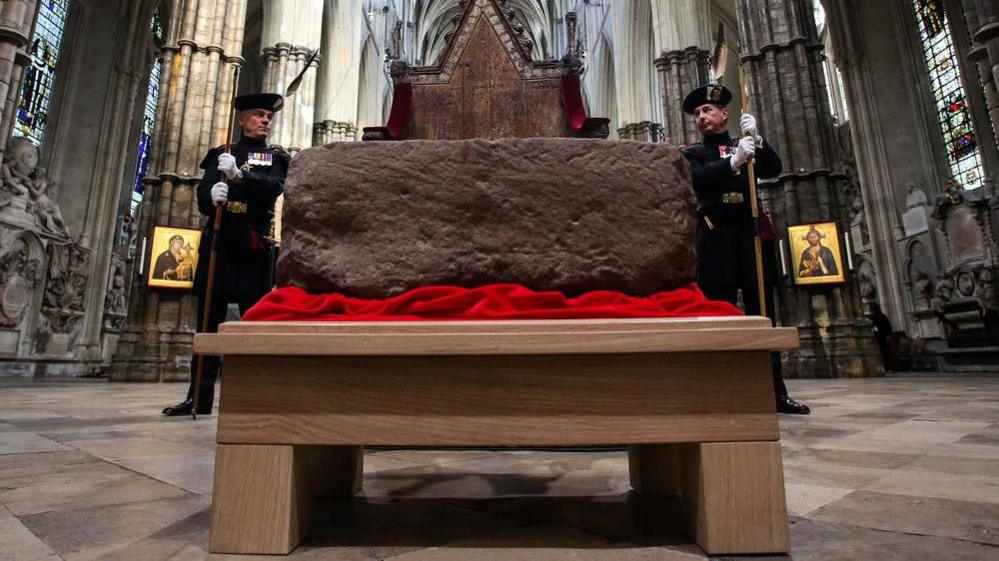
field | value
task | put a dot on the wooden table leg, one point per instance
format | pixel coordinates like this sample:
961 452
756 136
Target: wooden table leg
262 496
733 497
655 469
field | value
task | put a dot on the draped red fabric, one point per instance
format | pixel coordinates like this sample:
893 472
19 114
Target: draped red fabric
497 301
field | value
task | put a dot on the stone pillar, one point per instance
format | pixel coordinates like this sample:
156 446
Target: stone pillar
16 21
681 30
644 131
680 71
192 115
332 131
982 17
291 127
783 59
629 24
339 73
292 31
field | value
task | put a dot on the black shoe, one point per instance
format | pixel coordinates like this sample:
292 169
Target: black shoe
184 408
787 405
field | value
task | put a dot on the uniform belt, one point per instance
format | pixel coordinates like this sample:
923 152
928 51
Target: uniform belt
733 198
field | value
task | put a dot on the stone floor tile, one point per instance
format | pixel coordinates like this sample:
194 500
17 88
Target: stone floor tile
88 484
115 449
92 532
974 488
808 472
955 465
982 439
967 450
17 543
26 442
930 442
823 541
390 526
192 472
17 469
927 431
873 460
553 543
803 499
971 521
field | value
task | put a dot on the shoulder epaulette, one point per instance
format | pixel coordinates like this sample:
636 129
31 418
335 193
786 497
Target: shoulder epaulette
278 148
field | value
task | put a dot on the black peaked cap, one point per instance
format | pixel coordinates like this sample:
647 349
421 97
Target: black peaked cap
708 93
269 101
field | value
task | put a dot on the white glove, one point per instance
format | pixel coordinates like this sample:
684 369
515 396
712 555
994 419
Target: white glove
220 193
227 165
747 123
743 153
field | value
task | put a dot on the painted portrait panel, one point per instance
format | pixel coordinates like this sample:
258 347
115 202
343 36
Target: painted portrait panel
173 257
816 255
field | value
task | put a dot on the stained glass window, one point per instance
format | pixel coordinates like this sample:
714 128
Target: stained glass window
36 93
148 119
157 29
953 114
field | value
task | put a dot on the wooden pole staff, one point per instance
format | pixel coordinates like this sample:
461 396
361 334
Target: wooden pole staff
213 257
754 202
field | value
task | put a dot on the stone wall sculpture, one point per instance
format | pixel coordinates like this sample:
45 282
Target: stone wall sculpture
19 273
116 299
65 288
25 189
966 295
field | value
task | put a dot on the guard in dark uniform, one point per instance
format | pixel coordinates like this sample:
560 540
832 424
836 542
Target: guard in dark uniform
726 260
246 181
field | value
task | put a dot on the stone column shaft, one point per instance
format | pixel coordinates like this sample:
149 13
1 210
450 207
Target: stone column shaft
193 115
786 83
982 18
680 72
339 78
16 21
631 70
292 127
681 30
292 31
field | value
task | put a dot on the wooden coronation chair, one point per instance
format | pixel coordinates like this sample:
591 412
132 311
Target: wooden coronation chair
693 399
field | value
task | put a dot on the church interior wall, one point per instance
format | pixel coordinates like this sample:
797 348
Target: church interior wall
98 98
911 143
252 70
974 89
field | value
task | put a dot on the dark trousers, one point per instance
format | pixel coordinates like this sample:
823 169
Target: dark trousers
886 358
727 264
213 363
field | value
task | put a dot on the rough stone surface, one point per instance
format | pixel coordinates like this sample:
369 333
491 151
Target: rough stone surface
374 219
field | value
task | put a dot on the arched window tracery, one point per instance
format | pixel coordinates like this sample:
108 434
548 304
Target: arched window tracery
157 33
949 96
39 76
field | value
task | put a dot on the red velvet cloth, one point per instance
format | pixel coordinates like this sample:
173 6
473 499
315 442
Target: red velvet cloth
572 96
497 301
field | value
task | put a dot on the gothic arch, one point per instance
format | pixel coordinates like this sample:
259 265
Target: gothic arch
599 83
373 85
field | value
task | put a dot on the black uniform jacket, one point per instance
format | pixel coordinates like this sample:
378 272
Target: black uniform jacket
725 254
244 270
722 195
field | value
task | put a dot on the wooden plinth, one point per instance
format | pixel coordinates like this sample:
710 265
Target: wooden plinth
693 399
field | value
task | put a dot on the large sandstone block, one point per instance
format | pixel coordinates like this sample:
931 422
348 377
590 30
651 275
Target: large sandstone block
375 219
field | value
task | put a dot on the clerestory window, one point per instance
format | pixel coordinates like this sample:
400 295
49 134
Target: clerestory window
953 114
